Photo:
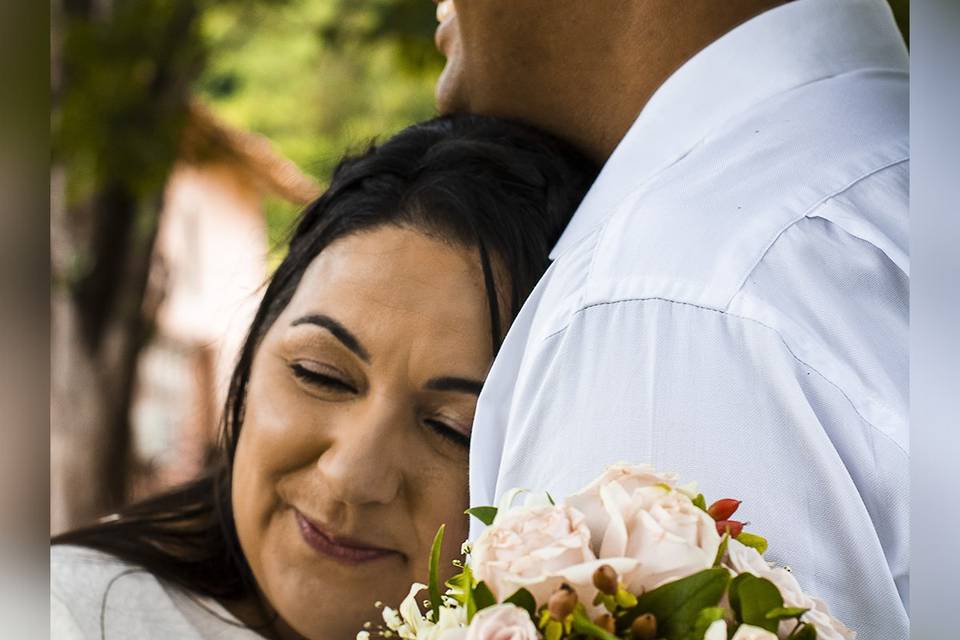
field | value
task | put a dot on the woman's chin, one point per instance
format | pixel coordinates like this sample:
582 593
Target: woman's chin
339 611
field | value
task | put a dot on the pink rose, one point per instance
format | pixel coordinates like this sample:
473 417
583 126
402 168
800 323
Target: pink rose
531 548
635 513
502 622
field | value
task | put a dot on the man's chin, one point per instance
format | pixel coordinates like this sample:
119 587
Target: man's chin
449 92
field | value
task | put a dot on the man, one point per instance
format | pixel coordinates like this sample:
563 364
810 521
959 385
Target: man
730 300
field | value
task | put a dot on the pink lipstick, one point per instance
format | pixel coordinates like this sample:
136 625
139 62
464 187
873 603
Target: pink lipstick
343 550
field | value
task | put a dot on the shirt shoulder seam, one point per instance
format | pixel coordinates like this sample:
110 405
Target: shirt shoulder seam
728 314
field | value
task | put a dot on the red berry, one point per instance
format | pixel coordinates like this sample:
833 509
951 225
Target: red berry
723 509
733 527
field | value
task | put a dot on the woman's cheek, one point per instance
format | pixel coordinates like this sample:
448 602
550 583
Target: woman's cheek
282 421
444 497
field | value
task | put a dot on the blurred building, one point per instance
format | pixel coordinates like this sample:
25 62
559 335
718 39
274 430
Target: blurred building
209 267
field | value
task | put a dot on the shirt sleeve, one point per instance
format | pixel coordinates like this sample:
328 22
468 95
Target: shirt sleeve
723 400
63 626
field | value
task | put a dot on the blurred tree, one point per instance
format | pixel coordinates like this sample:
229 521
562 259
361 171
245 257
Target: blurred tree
120 76
320 77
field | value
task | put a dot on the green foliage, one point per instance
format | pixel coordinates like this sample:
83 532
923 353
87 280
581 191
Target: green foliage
483 514
753 540
319 77
785 613
700 502
677 605
119 107
524 599
721 549
752 598
705 618
804 632
582 625
482 598
434 582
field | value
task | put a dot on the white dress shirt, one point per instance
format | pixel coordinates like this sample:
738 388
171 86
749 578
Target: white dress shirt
730 302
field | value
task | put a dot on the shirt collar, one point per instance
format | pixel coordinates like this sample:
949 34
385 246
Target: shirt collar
797 43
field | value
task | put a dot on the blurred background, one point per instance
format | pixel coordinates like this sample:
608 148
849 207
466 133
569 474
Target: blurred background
186 136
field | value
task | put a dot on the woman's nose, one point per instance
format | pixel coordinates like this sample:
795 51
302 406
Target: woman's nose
363 463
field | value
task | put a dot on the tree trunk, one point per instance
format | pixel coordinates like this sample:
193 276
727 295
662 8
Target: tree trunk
120 76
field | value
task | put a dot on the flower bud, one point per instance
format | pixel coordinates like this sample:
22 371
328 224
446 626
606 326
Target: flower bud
625 599
644 627
733 527
605 579
606 622
562 602
723 509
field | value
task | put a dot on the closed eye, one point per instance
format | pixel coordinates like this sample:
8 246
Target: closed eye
320 379
449 432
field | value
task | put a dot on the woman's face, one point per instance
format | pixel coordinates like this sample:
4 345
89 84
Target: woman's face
353 449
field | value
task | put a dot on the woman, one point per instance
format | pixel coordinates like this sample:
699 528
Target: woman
348 419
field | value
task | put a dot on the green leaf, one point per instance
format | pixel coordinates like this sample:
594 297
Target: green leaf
483 597
700 502
544 618
550 498
524 599
753 540
734 592
722 549
625 599
677 604
554 630
752 598
582 625
805 632
462 585
434 585
785 613
705 618
483 514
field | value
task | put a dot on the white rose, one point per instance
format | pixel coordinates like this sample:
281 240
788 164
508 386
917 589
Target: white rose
635 513
750 632
538 549
451 625
743 559
410 624
502 622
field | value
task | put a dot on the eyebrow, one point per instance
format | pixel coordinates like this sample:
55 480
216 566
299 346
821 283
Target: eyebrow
464 385
337 330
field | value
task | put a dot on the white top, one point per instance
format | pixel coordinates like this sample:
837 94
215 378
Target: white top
730 302
97 596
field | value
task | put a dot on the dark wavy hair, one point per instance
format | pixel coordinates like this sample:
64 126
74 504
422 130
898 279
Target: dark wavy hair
478 182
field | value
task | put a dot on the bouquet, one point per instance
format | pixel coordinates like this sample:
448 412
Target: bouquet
634 555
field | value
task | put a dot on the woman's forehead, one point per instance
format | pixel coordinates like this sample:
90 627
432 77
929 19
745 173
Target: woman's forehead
396 278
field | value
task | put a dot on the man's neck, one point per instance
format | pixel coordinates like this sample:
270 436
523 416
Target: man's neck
648 44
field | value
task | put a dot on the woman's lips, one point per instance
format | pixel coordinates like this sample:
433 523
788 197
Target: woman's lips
341 549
